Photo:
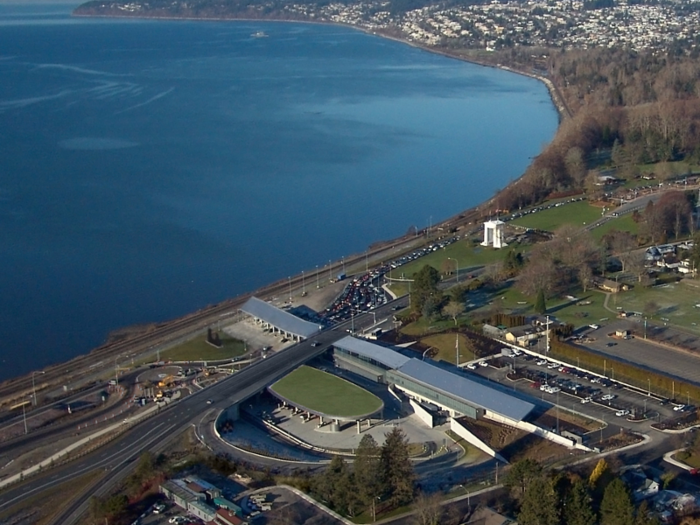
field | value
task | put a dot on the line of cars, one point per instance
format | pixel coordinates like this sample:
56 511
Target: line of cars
519 214
365 292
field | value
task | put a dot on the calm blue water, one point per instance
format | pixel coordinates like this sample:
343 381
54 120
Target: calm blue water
151 168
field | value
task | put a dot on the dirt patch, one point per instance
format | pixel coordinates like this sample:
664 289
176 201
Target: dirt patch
619 440
567 421
514 444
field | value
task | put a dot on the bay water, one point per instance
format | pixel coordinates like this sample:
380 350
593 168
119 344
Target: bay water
149 168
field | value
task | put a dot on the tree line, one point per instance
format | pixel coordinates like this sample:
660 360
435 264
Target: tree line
380 477
558 498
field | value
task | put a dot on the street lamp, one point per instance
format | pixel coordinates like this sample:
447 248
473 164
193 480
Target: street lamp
289 280
649 387
318 285
456 267
34 386
303 284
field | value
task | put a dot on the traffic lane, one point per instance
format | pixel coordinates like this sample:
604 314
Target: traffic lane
123 450
148 434
638 351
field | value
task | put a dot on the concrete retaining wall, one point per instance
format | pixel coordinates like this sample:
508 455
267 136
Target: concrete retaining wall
534 429
424 415
470 438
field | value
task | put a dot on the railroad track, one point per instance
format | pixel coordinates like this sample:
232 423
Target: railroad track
14 390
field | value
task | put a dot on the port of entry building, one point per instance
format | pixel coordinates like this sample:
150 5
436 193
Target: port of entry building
278 320
369 360
426 382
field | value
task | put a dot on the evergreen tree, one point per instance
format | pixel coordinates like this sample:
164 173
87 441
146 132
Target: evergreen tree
578 510
539 504
644 516
367 473
424 289
334 487
520 475
616 507
397 471
540 303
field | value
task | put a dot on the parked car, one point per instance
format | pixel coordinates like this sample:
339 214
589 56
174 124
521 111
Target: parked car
587 399
621 413
608 397
679 408
471 366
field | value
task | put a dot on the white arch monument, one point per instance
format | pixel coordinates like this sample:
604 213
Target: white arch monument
493 234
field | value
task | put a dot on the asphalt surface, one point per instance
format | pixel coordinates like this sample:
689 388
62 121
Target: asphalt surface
116 457
657 358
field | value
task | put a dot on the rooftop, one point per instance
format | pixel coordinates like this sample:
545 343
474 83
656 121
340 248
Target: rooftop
466 389
381 354
279 318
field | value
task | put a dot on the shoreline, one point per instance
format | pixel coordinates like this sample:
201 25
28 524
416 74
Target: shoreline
554 95
466 218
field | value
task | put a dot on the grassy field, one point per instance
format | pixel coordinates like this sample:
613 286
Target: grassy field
578 213
198 349
624 223
325 393
425 326
446 347
467 255
676 302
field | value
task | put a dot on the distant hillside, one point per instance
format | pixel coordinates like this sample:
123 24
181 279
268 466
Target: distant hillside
251 9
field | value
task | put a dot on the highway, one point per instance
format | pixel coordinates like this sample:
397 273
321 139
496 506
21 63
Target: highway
154 433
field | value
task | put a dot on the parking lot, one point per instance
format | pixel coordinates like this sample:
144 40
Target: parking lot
681 364
580 391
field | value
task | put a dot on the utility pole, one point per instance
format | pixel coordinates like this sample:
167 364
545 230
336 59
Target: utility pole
457 348
547 348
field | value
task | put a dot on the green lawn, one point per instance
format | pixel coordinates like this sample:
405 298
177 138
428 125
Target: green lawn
581 314
676 302
198 349
624 223
577 213
467 255
446 346
325 393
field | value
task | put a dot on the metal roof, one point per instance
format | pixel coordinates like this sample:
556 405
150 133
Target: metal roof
381 354
465 389
279 318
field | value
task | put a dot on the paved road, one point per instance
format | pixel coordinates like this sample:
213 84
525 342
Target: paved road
117 456
643 353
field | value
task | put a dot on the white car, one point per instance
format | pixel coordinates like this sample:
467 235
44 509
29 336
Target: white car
679 408
483 363
586 400
621 413
554 389
608 397
541 362
594 326
471 366
552 366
